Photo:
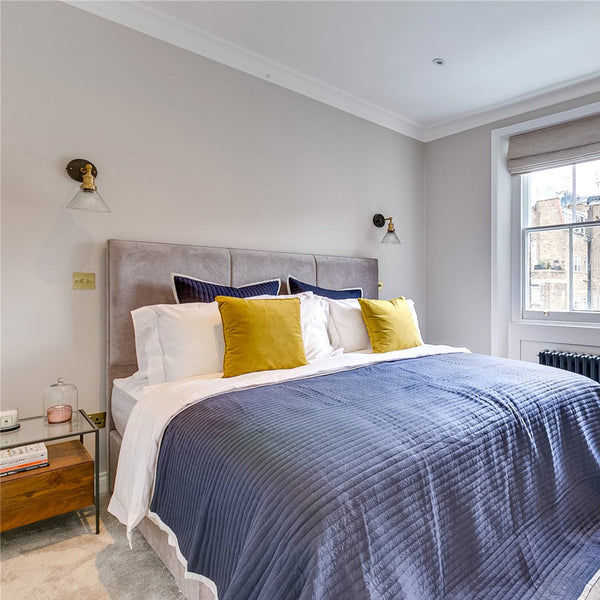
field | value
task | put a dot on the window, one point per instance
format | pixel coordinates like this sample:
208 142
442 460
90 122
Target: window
580 217
560 229
535 296
547 142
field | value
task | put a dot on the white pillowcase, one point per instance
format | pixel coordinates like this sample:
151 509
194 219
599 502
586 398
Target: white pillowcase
347 329
147 345
179 340
413 312
346 326
173 341
191 337
314 316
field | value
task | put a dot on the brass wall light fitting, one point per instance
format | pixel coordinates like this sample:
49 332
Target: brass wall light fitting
88 197
390 236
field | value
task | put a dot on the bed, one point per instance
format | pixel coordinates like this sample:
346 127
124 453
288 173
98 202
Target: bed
427 473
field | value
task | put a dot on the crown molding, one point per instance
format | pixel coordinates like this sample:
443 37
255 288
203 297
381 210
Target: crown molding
142 17
549 96
145 19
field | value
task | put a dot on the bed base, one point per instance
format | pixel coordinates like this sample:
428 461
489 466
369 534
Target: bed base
192 589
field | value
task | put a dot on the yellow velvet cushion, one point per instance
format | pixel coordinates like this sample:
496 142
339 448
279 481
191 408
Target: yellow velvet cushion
261 335
390 324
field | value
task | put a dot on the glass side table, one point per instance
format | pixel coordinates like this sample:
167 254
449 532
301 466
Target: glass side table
69 457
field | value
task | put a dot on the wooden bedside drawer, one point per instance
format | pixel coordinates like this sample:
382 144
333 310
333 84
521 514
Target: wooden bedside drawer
65 485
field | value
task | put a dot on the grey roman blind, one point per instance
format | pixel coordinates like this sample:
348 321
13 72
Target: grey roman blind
570 142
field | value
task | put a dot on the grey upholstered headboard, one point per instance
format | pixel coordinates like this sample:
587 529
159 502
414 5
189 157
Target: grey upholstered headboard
139 274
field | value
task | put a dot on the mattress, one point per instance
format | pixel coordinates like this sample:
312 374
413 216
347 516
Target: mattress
125 395
127 392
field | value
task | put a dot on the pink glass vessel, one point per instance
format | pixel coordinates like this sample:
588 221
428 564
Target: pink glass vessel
60 402
60 413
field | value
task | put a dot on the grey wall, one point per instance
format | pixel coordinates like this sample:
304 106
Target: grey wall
188 151
458 232
457 272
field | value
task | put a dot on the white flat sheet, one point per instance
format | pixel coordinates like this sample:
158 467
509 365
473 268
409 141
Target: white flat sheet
160 403
125 395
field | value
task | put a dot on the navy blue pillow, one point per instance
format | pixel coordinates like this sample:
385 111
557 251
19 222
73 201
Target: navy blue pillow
297 287
187 289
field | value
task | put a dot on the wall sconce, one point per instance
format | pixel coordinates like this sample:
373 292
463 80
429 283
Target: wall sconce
390 236
87 198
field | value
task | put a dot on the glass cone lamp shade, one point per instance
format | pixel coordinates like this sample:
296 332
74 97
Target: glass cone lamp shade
86 199
390 237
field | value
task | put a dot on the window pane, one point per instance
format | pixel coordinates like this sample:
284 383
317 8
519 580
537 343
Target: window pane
547 287
586 266
550 197
562 273
587 177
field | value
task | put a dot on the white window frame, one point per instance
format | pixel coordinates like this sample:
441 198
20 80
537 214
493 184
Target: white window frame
519 296
505 261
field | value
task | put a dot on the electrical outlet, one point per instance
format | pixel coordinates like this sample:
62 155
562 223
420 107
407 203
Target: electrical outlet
99 419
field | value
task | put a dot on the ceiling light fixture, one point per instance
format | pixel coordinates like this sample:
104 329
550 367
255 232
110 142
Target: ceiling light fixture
439 61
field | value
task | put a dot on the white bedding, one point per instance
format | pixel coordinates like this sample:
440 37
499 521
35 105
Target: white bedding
125 395
160 403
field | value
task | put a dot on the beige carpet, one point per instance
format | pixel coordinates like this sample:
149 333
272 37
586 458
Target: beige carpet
592 590
62 559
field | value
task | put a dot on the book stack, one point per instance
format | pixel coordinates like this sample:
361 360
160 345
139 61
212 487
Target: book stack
23 458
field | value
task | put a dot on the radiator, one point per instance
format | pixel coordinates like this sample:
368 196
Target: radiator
584 364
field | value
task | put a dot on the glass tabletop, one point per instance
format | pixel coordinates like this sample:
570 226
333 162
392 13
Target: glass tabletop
37 429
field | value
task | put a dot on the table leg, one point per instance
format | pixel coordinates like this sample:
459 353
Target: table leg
97 473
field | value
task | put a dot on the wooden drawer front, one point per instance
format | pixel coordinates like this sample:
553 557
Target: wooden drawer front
67 484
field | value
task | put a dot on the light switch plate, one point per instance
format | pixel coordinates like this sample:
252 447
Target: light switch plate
84 281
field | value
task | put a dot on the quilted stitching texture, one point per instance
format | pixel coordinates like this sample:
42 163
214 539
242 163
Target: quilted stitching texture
451 477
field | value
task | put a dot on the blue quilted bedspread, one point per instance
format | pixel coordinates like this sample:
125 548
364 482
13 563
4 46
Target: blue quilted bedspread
449 477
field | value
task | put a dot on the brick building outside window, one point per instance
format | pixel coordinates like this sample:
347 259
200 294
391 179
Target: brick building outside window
549 255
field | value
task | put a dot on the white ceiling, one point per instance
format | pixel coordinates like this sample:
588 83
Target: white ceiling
374 59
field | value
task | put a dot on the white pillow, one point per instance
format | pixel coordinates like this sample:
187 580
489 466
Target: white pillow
191 338
347 329
173 341
314 316
147 345
346 326
178 340
413 312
